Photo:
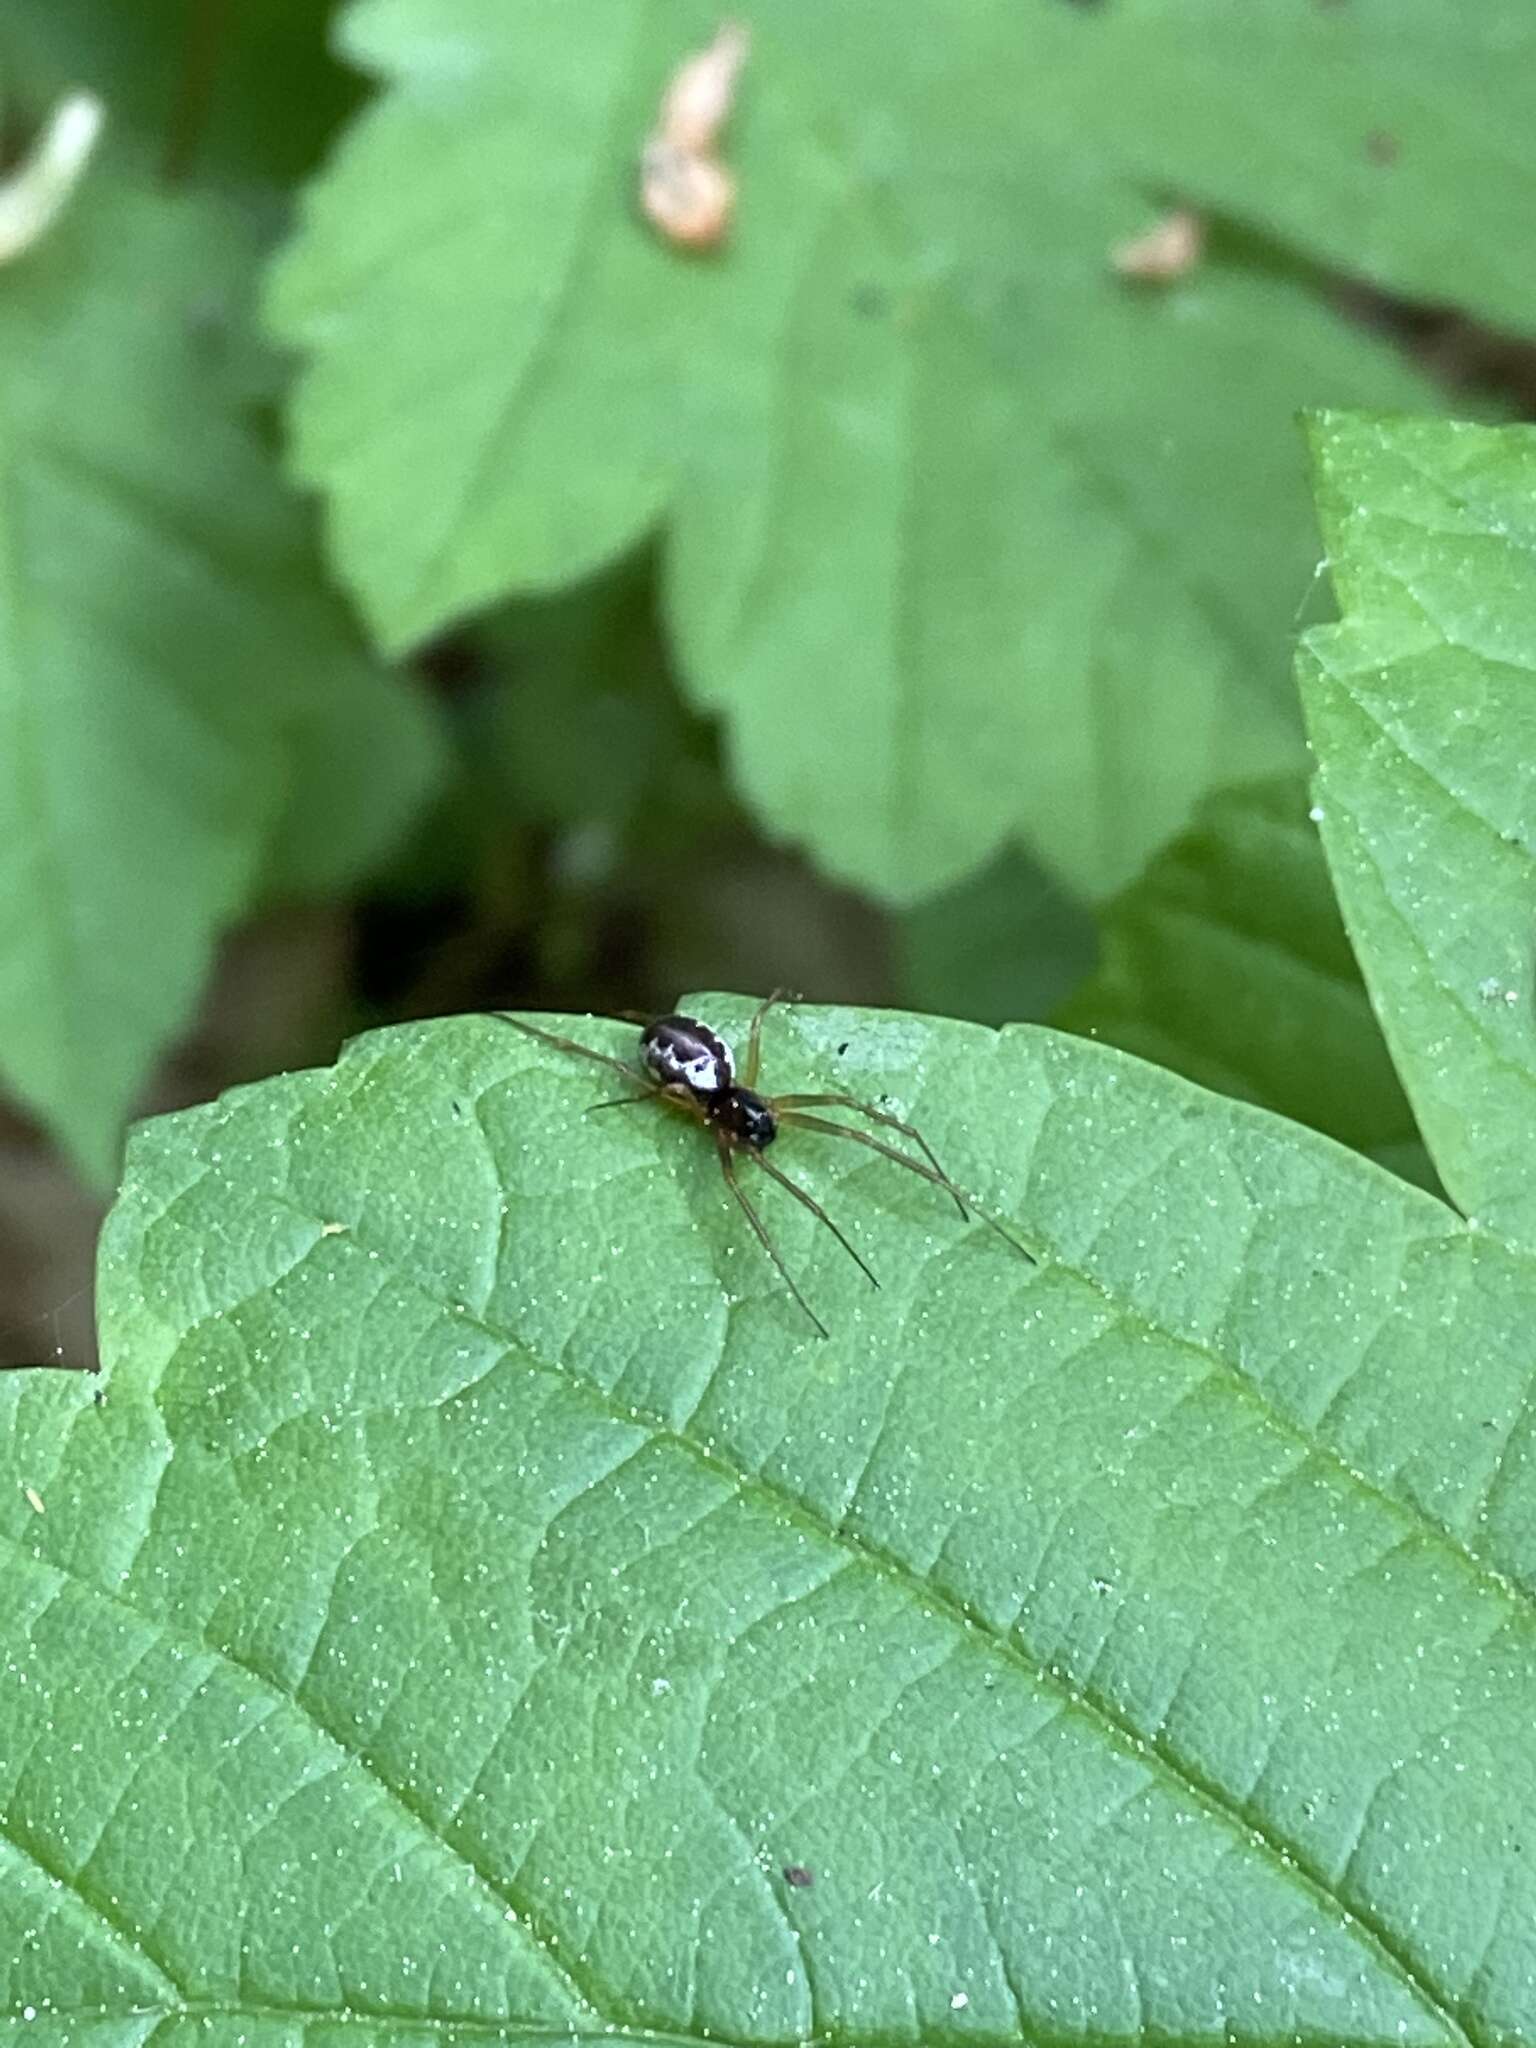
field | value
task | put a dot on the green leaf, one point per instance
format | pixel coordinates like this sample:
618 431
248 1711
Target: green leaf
585 727
1388 141
482 1585
241 94
1228 961
364 753
1007 946
966 538
168 654
1422 706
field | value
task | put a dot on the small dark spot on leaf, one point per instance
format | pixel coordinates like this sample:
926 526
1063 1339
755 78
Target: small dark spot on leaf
869 301
457 1108
796 1875
1102 1586
842 1048
1381 147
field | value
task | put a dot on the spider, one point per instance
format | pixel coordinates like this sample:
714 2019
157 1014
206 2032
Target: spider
687 1066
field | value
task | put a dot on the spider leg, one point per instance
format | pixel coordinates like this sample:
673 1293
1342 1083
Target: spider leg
728 1168
668 1097
675 1097
879 1116
800 1195
755 1036
587 1052
940 1180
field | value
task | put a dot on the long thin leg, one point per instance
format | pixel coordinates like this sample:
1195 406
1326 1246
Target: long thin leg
669 1098
728 1168
587 1052
755 1037
816 1209
940 1180
880 1116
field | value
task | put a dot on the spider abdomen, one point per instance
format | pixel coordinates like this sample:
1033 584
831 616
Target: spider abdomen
680 1052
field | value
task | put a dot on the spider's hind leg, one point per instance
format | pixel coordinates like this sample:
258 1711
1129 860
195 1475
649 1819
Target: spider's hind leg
805 1121
879 1116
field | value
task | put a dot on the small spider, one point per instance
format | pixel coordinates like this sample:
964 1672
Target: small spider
684 1065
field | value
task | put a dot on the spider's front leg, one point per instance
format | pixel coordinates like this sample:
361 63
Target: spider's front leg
755 1036
727 1158
587 1052
879 1116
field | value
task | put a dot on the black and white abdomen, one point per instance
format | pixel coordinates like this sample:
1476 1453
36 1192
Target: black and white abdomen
680 1052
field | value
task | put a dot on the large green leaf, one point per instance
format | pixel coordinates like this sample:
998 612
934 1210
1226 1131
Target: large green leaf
966 537
169 659
482 1587
1422 706
1227 960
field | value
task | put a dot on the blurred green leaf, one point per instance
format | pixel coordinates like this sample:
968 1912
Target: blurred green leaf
1004 947
1228 961
482 1585
967 538
584 725
1422 708
1389 138
363 754
168 658
577 776
231 90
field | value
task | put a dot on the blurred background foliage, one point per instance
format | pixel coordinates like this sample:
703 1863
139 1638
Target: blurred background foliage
424 588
